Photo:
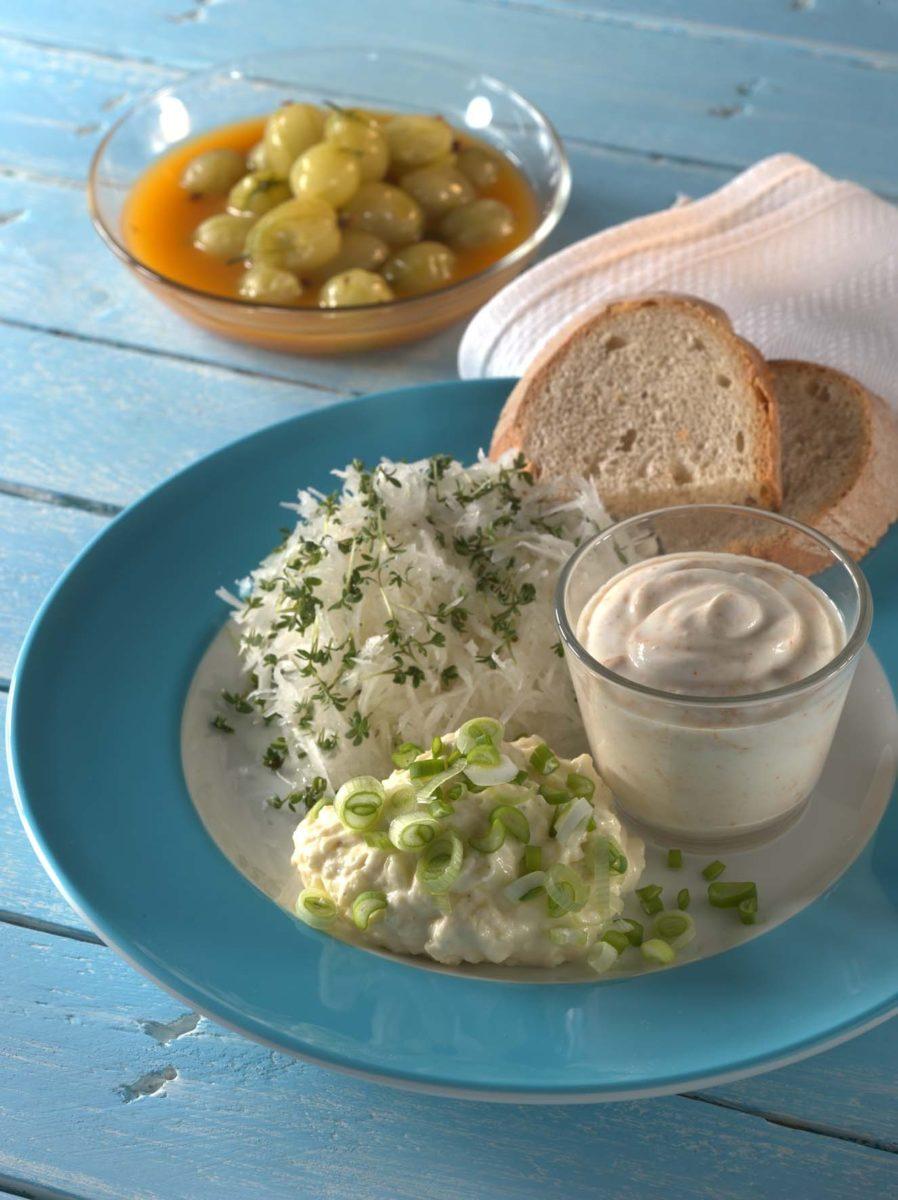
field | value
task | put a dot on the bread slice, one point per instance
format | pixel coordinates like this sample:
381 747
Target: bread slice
840 455
658 400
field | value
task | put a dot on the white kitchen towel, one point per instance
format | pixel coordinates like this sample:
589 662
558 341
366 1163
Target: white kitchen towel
805 265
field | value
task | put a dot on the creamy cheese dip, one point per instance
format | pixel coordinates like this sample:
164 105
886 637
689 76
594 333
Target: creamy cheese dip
712 625
707 624
476 920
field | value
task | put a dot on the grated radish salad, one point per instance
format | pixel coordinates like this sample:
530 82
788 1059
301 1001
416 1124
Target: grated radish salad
414 597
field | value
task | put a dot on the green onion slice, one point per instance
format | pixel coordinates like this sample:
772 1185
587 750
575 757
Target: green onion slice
713 870
731 895
491 841
533 858
426 768
423 788
650 898
484 754
562 935
602 957
403 756
543 761
683 898
514 821
580 785
567 891
554 796
436 747
438 807
618 939
413 830
315 908
748 910
503 771
359 802
658 952
440 863
317 807
675 927
675 859
478 730
518 889
573 820
367 907
633 930
617 860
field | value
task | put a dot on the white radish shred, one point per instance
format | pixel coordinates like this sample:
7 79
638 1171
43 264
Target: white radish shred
416 597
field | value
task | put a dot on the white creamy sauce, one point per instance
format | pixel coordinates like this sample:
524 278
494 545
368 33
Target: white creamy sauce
711 624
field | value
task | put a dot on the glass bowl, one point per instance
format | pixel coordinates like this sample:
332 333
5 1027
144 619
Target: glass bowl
348 76
715 769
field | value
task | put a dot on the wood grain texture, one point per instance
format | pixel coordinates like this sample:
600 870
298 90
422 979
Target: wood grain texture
650 86
130 1079
38 542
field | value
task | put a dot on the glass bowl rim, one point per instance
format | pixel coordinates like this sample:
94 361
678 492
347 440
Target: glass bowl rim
557 206
853 646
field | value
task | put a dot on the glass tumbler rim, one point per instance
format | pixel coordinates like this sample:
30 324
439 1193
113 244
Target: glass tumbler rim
853 645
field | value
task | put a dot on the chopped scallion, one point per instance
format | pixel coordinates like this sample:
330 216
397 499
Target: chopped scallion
618 939
477 730
359 802
315 908
554 796
440 863
731 895
675 927
566 889
533 858
683 898
425 768
367 907
675 859
602 957
413 830
748 910
580 785
543 761
713 870
658 952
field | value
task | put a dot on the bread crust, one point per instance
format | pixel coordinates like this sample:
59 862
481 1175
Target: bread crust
867 507
511 428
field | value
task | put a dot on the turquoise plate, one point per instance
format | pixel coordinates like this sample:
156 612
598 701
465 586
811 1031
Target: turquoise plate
94 751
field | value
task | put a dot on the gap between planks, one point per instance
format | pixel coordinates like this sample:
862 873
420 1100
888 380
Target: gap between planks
645 22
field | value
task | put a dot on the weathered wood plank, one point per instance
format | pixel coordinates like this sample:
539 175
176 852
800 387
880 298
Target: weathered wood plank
842 26
649 86
106 1075
38 542
52 229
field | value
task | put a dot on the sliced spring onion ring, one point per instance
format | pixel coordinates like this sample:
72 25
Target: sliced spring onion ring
567 891
562 935
683 898
514 821
650 898
518 888
439 808
675 859
368 907
658 952
484 754
315 908
675 927
573 819
440 863
359 802
424 788
543 761
616 938
403 756
436 747
480 728
413 830
491 841
731 895
502 772
602 957
713 870
580 785
317 807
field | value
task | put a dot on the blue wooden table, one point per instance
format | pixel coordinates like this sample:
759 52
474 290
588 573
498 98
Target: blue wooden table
108 1088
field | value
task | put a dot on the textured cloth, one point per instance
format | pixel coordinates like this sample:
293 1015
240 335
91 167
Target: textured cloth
806 267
